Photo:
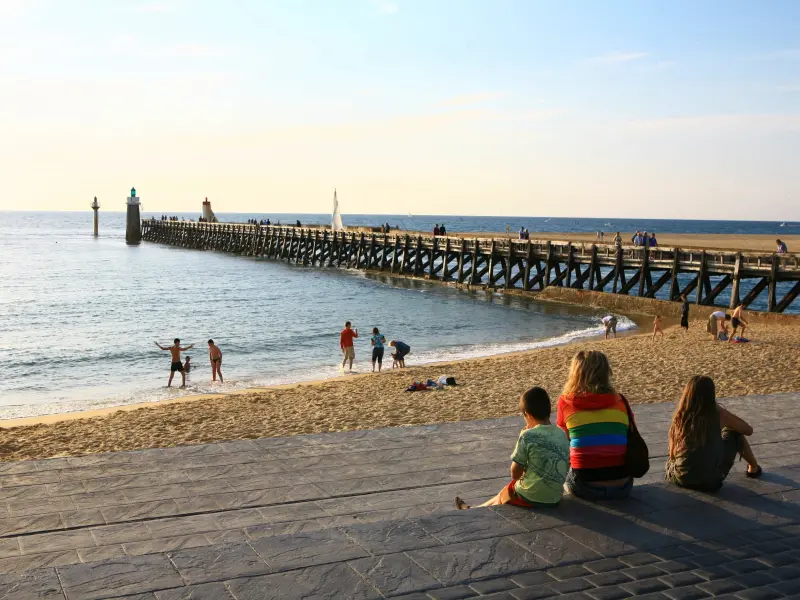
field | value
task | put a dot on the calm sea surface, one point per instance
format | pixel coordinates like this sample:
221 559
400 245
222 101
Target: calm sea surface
78 315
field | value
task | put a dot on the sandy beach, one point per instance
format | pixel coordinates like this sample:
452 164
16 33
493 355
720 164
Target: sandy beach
645 371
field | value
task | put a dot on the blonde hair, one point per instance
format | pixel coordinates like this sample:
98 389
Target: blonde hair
589 372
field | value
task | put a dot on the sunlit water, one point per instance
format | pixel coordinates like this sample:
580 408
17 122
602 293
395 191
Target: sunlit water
79 317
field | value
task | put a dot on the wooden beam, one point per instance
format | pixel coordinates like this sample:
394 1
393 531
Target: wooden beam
788 298
737 276
773 283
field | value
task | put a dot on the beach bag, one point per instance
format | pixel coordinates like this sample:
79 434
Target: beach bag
637 456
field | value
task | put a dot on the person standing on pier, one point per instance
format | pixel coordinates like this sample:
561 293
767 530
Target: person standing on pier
346 344
177 364
215 356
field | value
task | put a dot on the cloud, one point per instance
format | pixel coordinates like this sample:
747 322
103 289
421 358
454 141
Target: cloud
476 98
789 88
387 7
720 123
616 57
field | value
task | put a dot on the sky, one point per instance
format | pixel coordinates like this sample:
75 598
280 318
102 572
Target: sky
651 109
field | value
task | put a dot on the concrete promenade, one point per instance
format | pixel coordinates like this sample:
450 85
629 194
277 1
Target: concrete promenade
369 514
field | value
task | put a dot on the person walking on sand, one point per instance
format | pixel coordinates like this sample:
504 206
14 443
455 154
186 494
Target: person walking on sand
685 313
610 323
346 344
215 356
177 365
377 341
738 320
657 327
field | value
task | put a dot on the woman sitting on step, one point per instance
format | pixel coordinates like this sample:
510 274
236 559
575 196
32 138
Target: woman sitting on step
704 440
595 418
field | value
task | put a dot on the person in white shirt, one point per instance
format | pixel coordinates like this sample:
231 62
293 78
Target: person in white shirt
610 323
716 323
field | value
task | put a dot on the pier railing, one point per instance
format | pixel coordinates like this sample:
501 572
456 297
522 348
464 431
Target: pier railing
708 277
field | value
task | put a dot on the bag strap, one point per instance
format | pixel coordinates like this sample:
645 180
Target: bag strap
631 421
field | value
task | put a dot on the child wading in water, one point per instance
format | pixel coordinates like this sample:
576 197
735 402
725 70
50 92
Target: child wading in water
657 327
540 460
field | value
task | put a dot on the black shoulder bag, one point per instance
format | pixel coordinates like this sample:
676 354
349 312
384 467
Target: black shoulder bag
637 456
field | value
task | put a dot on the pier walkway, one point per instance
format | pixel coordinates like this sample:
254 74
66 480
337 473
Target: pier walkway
757 280
368 514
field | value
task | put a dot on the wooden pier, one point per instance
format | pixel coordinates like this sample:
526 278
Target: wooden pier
708 277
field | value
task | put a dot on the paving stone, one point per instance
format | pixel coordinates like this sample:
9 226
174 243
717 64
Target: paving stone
493 585
452 593
166 544
568 572
608 593
176 526
395 574
9 547
677 580
533 593
218 563
100 553
608 578
465 525
644 586
754 579
759 594
472 561
38 560
532 578
676 566
790 587
131 575
118 534
744 566
568 586
327 581
206 591
139 510
712 573
604 565
41 584
307 549
685 593
555 548
53 542
19 525
82 518
390 536
720 586
784 573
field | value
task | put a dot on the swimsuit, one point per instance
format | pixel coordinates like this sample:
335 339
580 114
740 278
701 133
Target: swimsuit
176 366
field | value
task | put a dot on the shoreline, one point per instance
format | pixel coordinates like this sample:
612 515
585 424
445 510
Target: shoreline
640 320
645 371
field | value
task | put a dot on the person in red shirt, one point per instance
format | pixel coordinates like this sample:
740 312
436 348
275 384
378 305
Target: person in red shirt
346 344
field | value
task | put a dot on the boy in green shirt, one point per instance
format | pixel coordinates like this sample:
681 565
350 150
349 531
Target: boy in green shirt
540 460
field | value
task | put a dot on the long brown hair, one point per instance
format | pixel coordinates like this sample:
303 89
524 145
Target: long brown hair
589 372
696 411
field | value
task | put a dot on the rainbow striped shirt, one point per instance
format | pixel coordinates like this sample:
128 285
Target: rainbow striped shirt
597 426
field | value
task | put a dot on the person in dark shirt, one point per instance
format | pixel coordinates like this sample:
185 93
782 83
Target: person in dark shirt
436 230
685 313
401 351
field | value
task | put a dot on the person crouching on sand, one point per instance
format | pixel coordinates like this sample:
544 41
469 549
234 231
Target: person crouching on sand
540 460
401 350
346 344
177 365
215 356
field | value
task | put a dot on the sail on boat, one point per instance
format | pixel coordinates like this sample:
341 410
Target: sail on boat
336 218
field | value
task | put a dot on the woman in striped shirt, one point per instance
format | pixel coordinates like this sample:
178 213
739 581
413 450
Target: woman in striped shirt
595 418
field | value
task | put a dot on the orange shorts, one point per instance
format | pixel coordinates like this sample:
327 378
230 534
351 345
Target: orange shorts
509 495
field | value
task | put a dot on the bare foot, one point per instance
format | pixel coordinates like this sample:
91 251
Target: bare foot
461 505
183 386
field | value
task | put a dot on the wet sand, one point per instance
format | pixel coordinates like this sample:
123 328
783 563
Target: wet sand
645 371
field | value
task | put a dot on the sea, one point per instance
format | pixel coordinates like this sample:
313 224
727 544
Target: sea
79 315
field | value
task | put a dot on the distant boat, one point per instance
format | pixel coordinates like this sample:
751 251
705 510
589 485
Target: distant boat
609 224
336 218
783 224
547 220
